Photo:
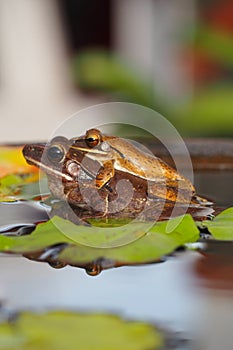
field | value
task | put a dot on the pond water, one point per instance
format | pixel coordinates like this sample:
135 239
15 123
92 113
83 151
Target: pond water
169 294
216 185
159 292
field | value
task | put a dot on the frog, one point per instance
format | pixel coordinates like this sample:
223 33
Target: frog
92 165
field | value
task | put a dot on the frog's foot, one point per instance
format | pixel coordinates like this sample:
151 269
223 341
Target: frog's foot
202 201
105 174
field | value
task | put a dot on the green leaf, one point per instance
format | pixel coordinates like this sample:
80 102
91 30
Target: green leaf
149 248
9 187
66 330
19 186
44 236
103 237
221 227
6 243
162 239
10 180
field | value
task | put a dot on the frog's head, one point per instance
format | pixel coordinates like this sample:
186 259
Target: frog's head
67 162
62 158
54 158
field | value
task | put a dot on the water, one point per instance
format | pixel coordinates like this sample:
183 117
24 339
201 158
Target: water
169 294
158 293
20 217
216 185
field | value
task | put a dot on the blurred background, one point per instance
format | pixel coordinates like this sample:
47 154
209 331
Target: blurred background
174 56
59 56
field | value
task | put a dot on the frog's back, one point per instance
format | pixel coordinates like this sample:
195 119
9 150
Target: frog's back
145 165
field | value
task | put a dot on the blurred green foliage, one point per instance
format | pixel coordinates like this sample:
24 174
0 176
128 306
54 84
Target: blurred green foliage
210 111
103 71
216 44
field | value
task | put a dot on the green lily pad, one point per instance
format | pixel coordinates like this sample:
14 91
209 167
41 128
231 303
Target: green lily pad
21 186
221 227
159 241
10 187
149 248
67 330
99 237
44 236
5 243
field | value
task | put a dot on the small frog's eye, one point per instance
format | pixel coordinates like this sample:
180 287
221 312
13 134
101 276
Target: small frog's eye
56 153
92 138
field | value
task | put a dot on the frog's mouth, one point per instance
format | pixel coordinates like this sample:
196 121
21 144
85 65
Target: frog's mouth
37 151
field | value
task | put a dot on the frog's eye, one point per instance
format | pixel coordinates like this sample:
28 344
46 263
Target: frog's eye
56 153
93 138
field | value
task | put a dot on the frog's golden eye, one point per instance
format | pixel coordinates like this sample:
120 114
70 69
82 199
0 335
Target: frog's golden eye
56 153
92 138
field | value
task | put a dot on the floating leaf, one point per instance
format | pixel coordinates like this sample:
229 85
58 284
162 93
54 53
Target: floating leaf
149 248
99 237
44 236
221 227
9 187
67 330
19 186
6 243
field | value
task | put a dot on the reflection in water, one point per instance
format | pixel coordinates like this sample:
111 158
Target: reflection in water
158 293
216 185
214 271
20 217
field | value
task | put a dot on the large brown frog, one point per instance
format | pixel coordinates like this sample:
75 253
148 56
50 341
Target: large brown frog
87 172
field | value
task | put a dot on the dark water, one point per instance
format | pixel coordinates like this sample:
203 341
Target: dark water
216 185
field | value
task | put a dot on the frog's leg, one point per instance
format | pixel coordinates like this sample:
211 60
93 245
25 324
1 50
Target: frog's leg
182 183
105 174
169 192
